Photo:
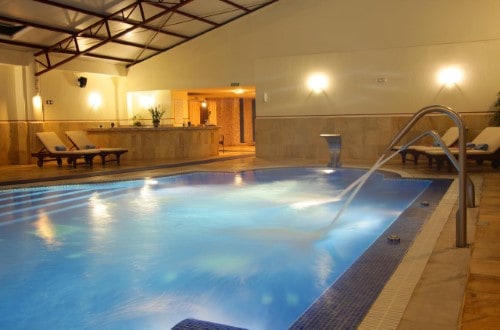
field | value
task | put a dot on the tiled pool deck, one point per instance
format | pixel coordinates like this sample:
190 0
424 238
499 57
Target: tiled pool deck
426 290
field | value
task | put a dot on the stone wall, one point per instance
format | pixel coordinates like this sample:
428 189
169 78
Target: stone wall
18 139
364 138
14 143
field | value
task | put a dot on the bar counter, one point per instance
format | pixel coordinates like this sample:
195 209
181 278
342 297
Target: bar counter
164 142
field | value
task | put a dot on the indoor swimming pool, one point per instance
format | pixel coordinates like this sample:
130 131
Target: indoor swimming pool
253 249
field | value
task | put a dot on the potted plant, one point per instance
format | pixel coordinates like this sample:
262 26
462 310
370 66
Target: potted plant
137 120
495 120
156 114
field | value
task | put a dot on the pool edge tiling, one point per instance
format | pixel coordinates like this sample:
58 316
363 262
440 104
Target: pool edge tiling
346 302
194 324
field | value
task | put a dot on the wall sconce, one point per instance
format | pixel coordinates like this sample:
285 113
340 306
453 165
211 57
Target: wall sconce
95 100
317 82
204 103
37 99
450 76
82 81
37 102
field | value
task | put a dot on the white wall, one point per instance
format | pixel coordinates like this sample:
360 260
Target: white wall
399 80
356 42
138 104
12 104
70 102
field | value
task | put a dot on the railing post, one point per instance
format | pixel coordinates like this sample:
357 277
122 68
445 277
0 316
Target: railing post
461 217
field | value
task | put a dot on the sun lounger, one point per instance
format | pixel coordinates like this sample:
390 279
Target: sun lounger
450 137
486 146
54 149
81 141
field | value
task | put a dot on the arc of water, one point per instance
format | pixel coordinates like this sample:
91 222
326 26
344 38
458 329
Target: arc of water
357 185
461 222
469 184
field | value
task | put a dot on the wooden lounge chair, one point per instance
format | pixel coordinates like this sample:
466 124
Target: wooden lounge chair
81 141
54 149
450 137
486 146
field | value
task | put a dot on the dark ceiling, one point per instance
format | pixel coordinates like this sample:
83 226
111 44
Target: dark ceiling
116 31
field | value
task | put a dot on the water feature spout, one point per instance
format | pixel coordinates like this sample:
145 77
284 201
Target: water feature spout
466 187
471 196
461 223
334 147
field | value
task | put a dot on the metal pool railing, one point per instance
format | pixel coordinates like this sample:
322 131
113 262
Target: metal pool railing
463 182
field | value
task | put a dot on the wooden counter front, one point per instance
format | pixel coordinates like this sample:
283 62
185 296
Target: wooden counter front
144 143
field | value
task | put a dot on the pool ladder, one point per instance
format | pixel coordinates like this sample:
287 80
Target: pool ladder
466 194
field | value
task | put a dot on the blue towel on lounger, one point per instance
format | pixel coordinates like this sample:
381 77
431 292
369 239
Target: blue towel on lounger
89 146
482 146
60 148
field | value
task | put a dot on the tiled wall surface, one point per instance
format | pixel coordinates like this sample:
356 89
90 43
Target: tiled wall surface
160 143
18 140
228 118
14 145
364 138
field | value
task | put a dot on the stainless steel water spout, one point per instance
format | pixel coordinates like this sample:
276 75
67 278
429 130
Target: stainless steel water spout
461 222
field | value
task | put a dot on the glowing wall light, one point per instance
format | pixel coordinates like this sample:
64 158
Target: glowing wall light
37 103
450 76
37 99
95 100
317 82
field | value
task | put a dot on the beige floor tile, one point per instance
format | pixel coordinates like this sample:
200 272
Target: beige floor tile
480 322
483 283
485 267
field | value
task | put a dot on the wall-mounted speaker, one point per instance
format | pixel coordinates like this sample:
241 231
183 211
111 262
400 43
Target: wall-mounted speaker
82 81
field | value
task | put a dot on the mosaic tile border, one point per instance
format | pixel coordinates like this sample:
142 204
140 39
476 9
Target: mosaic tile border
194 324
346 302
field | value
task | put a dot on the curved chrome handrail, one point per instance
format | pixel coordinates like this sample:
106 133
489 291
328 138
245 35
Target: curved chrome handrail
471 198
461 222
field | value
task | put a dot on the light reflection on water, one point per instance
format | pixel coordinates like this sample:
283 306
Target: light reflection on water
235 248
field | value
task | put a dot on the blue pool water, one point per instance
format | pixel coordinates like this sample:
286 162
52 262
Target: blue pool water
235 248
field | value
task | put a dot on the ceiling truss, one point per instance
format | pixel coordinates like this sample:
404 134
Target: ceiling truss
105 33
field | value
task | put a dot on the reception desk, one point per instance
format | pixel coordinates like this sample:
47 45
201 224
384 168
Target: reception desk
164 142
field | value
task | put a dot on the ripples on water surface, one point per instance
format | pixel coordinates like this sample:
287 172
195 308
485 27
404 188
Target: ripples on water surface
236 248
